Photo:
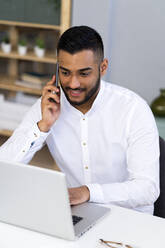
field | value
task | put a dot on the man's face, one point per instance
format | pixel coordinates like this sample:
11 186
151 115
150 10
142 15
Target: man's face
79 76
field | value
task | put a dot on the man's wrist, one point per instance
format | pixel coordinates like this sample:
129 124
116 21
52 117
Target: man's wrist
42 127
87 192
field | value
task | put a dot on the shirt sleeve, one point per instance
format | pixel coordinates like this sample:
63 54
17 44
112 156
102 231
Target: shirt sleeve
27 139
142 186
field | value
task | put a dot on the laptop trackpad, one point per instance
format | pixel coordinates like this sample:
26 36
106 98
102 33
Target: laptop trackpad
88 214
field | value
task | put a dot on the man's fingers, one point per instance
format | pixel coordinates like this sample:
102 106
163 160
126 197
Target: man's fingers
50 88
78 195
52 106
50 85
52 81
54 96
50 97
73 200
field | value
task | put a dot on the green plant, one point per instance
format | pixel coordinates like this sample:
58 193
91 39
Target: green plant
22 42
6 40
40 43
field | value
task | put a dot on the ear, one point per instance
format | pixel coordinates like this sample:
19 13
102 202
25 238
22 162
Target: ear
103 67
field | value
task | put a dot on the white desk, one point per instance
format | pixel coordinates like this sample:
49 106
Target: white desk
134 228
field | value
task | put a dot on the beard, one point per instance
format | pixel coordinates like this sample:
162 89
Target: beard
87 97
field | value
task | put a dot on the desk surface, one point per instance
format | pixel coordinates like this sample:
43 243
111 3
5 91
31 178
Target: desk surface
134 228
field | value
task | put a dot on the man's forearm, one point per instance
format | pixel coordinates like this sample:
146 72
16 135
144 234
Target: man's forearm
22 145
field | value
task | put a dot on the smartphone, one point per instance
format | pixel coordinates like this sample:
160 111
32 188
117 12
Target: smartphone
57 69
55 83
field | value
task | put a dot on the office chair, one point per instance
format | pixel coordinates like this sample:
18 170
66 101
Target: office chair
159 205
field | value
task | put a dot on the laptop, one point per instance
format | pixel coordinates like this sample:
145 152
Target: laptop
37 199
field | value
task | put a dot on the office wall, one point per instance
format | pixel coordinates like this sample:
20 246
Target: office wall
134 37
96 14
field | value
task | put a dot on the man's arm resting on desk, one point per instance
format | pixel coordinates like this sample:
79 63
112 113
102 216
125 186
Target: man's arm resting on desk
130 194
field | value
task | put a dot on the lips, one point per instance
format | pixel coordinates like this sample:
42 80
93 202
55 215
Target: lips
75 92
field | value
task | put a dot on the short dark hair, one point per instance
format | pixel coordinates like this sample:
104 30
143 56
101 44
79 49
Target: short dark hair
79 38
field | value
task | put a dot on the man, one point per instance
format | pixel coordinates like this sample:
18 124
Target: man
102 136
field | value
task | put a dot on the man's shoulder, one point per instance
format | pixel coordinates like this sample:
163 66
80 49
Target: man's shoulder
122 93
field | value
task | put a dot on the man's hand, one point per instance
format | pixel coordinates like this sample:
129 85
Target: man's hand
79 195
50 108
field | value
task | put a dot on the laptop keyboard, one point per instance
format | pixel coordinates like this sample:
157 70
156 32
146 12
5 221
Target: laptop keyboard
76 219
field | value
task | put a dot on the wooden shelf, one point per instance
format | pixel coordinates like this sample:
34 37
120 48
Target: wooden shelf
30 25
64 20
5 132
8 83
14 29
48 58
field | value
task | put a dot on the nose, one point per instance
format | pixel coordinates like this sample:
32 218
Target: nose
74 82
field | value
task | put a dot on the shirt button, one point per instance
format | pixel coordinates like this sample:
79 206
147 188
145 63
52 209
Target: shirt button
35 134
32 144
86 167
23 151
84 144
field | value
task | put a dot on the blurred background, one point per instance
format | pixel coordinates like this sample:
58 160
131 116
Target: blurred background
133 35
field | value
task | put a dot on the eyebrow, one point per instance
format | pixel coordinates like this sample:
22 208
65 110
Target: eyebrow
81 70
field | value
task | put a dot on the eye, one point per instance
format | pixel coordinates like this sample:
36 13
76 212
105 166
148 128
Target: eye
65 73
84 74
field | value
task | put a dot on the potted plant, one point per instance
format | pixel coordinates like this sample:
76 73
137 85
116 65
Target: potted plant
22 47
6 46
40 48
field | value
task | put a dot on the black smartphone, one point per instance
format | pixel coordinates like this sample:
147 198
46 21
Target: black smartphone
55 83
57 69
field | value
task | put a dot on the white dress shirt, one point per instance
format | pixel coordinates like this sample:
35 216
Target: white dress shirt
113 148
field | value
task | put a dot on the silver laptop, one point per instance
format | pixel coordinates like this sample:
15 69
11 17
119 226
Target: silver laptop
37 199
